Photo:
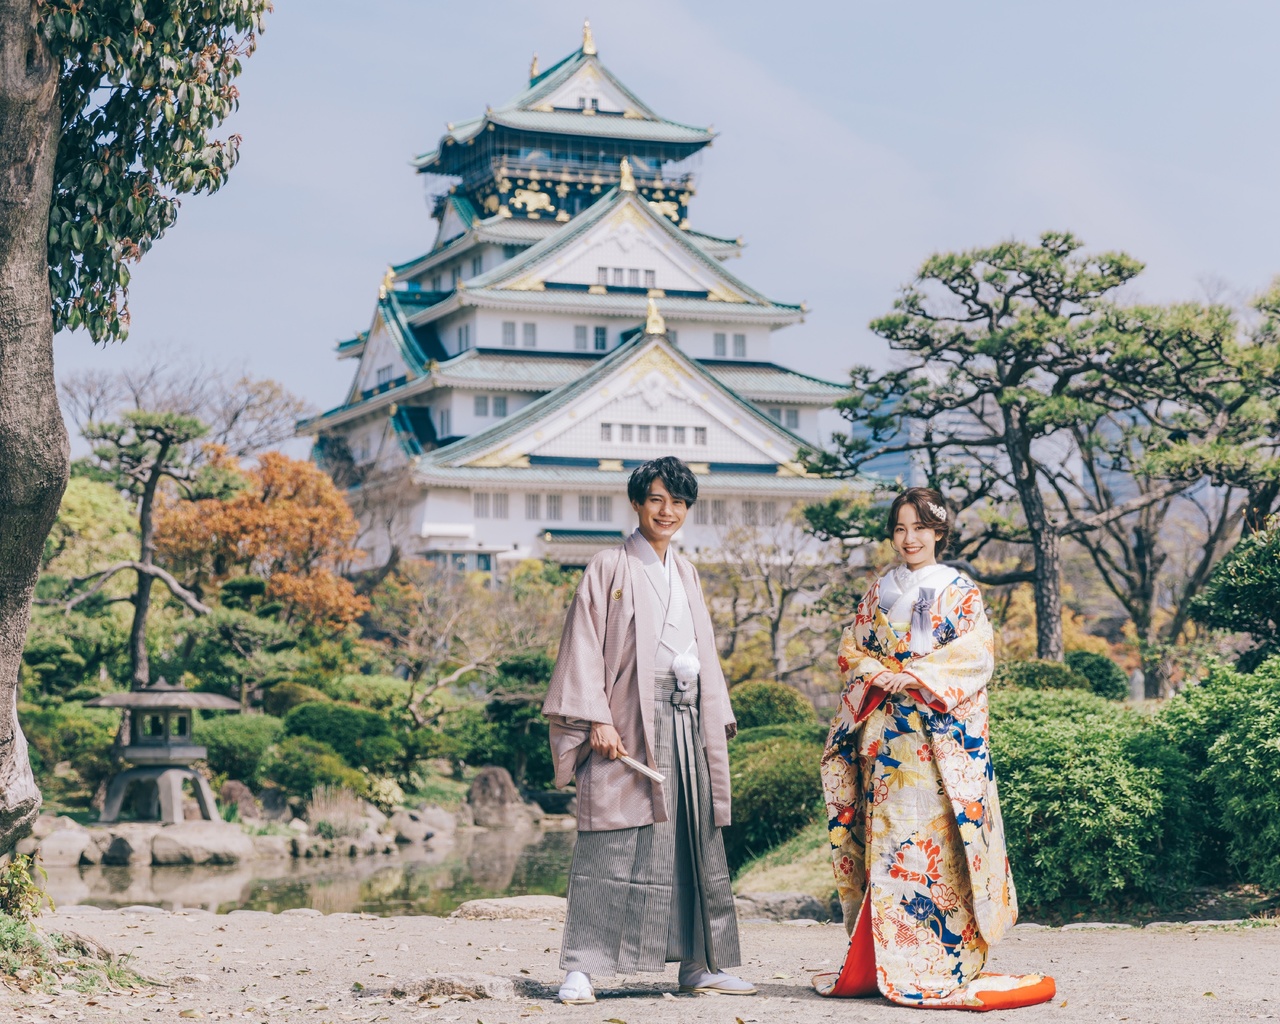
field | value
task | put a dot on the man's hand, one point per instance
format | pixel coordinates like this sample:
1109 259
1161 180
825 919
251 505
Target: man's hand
896 682
606 742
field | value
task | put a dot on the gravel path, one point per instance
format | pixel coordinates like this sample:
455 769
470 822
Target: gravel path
306 967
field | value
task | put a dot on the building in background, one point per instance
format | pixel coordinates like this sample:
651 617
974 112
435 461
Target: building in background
567 324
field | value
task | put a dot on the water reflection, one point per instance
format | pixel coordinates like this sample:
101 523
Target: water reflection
418 880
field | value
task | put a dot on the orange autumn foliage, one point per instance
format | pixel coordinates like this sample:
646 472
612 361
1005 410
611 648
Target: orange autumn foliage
289 525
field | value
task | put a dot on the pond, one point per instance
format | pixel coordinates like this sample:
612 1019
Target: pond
432 879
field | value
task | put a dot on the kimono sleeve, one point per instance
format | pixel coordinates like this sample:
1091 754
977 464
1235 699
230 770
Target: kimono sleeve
858 666
960 665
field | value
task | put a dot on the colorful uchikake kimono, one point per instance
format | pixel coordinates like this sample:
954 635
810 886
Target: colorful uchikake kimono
915 828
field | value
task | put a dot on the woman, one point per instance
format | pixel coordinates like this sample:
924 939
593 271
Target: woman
916 834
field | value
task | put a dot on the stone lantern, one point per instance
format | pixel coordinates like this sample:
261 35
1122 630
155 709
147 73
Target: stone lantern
161 749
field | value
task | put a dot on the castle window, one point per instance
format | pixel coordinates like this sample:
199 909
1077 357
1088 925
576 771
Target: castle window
775 415
480 503
677 435
553 508
604 509
642 433
719 514
739 346
651 279
508 334
626 433
586 508
533 506
482 405
455 274
660 435
751 513
700 516
633 278
464 337
619 276
606 432
699 435
383 375
530 332
720 348
793 418
602 275
769 513
435 283
446 423
499 405
501 503
477 265
602 338
510 251
673 337
580 337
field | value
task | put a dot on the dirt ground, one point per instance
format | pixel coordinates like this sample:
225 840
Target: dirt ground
306 967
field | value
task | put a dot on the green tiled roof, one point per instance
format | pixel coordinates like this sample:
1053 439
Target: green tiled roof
772 313
769 382
709 484
481 368
581 536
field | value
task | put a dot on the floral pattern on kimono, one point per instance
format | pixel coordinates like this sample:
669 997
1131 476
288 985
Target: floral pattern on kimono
914 816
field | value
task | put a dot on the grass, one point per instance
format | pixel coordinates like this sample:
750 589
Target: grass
33 960
801 864
441 790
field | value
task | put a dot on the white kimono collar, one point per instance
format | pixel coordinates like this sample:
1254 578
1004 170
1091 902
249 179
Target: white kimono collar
905 594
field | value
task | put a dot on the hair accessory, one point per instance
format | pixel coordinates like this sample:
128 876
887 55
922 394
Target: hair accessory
937 510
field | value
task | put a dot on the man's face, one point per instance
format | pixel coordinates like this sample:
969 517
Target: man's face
661 515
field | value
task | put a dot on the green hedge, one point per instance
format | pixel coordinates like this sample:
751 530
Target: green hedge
280 699
776 793
299 764
1095 802
768 703
362 738
1036 674
238 744
1106 678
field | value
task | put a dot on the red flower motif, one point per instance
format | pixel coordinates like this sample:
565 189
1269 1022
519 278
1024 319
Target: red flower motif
969 934
845 816
843 662
917 862
925 753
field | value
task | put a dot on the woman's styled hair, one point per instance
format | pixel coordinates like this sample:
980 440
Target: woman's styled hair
674 474
931 510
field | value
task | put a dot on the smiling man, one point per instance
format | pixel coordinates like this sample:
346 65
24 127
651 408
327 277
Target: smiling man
640 719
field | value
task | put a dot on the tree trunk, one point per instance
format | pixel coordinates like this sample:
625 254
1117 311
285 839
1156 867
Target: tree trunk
139 661
1045 541
33 441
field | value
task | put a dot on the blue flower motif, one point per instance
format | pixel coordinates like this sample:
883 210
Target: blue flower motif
921 908
944 633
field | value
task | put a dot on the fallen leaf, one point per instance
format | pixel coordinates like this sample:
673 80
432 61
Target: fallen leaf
356 987
784 977
190 1013
1210 995
614 1020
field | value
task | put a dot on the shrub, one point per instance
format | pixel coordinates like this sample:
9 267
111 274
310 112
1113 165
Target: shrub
1094 802
300 764
280 699
362 738
776 792
1037 674
1243 594
1106 678
1244 766
768 703
334 812
806 732
378 693
238 745
66 732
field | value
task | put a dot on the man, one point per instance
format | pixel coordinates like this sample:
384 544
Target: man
638 678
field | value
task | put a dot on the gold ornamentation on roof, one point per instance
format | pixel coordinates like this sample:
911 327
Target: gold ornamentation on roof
388 283
628 183
654 324
533 68
588 40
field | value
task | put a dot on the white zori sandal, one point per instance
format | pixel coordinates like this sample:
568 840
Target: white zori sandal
576 990
699 979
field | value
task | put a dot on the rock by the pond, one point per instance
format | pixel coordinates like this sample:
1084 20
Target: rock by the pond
496 803
271 847
437 819
64 848
444 986
521 907
47 824
299 826
275 805
236 794
127 849
410 827
201 842
781 906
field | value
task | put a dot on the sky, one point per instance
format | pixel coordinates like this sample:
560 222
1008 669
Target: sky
854 140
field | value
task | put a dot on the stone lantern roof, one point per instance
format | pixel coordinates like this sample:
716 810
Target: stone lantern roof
161 719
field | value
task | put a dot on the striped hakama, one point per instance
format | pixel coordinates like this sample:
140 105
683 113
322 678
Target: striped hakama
640 898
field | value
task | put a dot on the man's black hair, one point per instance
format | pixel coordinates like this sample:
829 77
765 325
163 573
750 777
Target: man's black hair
675 475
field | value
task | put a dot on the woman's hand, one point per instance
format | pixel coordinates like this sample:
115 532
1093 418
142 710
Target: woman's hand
896 682
606 742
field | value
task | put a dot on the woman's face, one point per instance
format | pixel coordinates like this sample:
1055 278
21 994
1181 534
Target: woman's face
914 543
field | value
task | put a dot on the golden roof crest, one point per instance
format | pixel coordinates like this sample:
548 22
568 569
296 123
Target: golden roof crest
654 324
628 183
588 40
